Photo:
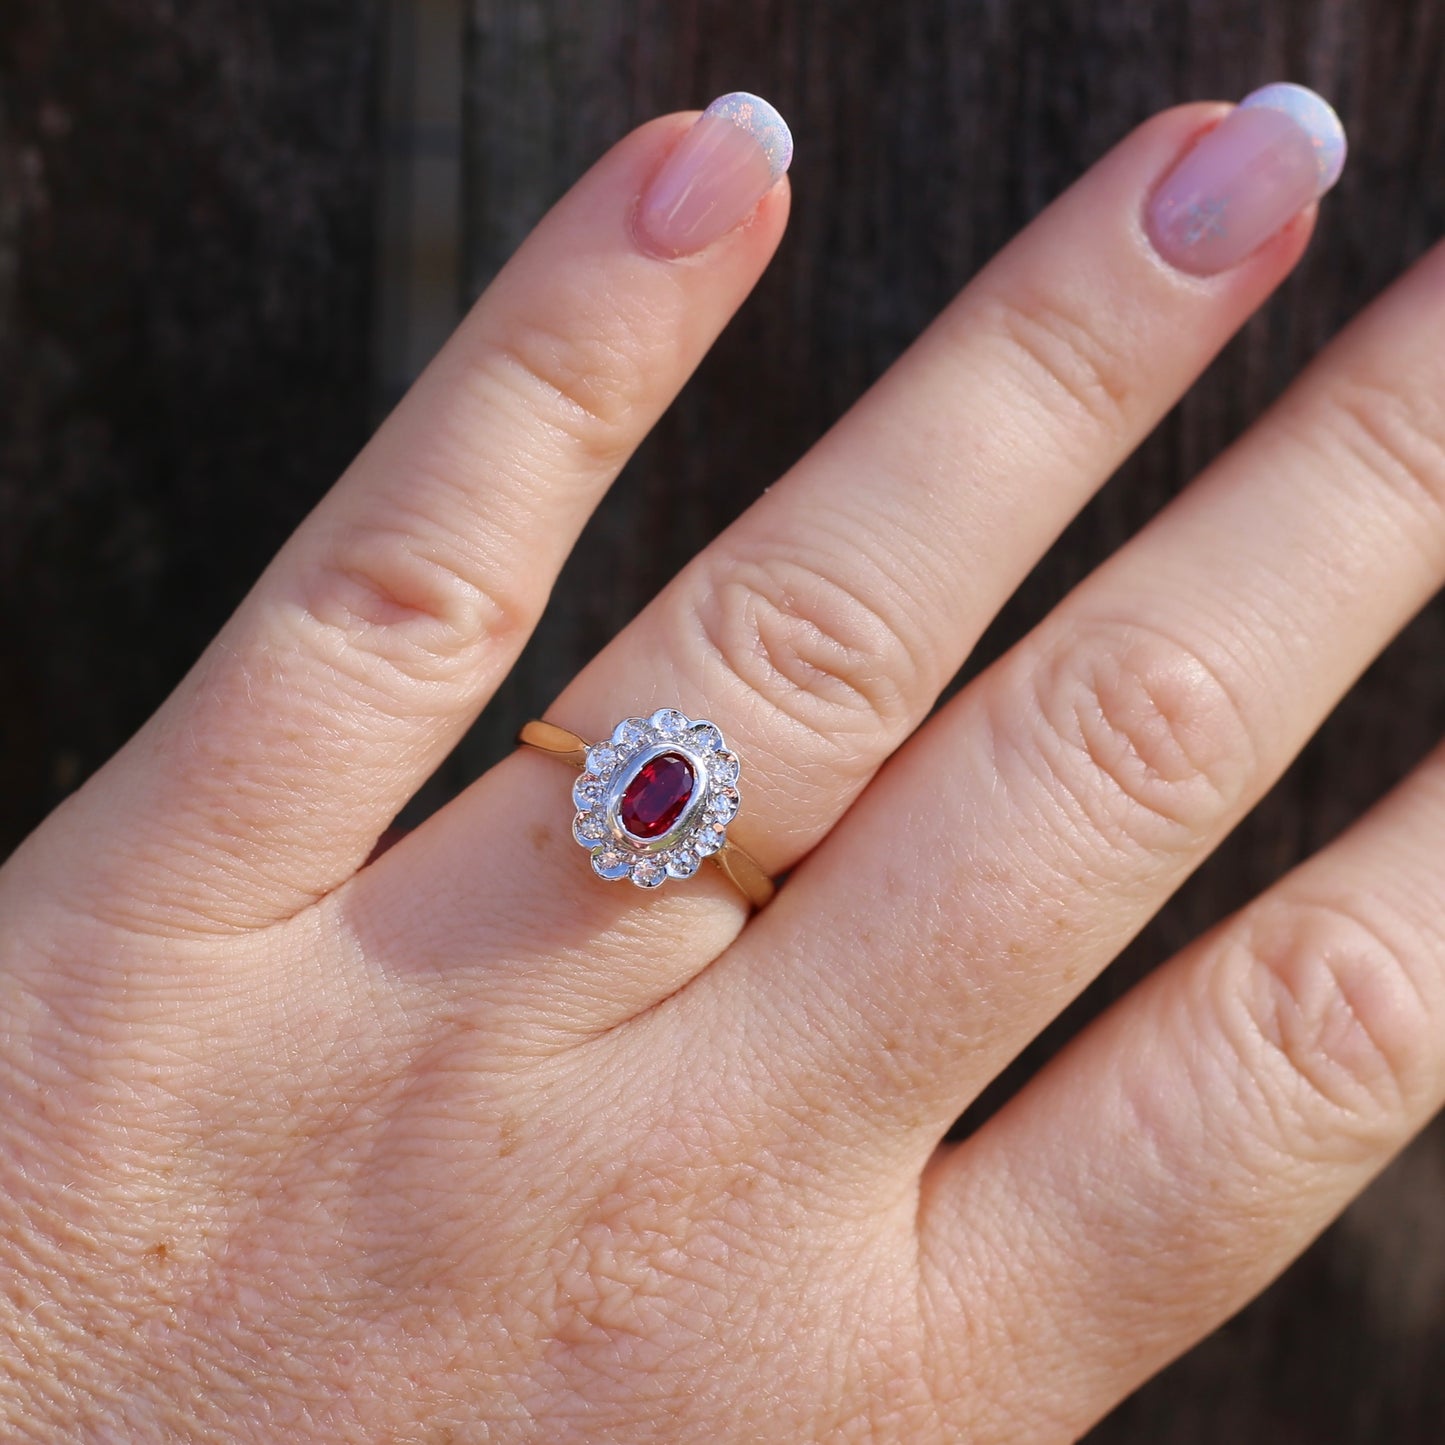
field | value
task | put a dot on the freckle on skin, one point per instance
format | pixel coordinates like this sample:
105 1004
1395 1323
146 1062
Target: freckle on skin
508 1137
538 834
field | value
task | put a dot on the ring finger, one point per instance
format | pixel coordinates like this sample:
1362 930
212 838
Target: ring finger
819 629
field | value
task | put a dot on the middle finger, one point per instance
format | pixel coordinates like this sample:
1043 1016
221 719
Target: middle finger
818 630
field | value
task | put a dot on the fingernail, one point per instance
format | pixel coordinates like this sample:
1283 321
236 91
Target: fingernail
1279 149
716 175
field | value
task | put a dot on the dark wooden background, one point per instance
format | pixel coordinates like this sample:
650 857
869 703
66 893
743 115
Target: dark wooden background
188 225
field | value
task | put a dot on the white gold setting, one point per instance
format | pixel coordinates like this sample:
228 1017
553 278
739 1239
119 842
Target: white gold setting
700 828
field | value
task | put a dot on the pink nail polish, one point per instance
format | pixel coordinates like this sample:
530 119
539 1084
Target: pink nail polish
1279 149
715 176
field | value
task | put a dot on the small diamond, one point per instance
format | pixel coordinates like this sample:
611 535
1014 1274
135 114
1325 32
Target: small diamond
668 721
648 872
629 732
709 839
610 863
704 737
601 759
683 864
588 828
724 768
723 805
586 791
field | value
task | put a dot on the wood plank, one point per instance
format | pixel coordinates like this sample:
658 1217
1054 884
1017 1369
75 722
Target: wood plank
186 243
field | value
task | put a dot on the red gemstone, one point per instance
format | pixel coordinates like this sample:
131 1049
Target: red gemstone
655 798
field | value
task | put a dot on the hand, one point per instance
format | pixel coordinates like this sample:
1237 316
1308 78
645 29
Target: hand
468 1144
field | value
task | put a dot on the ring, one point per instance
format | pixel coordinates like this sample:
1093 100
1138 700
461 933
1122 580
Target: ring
655 799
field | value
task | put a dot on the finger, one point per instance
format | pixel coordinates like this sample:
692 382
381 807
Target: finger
819 629
1047 813
389 618
1173 1160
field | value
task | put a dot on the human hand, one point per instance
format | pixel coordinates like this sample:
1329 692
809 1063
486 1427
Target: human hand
468 1141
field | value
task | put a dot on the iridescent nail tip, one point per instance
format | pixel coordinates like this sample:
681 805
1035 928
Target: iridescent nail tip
1314 115
762 122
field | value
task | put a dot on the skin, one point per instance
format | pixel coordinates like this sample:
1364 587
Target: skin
466 1145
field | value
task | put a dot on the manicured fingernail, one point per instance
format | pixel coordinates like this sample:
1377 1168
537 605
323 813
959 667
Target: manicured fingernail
716 175
1279 149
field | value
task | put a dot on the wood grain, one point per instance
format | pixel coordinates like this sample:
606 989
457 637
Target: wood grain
185 272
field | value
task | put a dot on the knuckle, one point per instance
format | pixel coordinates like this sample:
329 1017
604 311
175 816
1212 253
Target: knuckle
386 602
1327 1025
810 647
1056 348
1397 437
1145 740
579 380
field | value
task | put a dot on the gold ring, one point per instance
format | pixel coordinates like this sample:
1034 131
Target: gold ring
655 800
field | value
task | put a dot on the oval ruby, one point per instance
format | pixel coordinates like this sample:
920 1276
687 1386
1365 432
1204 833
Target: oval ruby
656 796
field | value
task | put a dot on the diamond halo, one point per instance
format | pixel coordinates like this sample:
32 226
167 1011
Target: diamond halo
619 770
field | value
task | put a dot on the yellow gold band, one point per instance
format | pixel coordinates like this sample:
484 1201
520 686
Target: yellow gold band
739 867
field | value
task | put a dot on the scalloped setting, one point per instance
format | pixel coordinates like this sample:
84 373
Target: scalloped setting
673 778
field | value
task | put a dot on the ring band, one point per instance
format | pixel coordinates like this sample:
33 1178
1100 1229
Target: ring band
655 800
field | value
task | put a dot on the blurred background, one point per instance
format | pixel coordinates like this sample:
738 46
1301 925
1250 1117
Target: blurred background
231 233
